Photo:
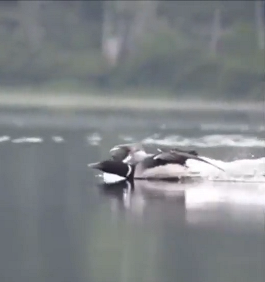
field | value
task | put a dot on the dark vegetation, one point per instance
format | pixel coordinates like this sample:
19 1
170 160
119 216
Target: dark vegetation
215 48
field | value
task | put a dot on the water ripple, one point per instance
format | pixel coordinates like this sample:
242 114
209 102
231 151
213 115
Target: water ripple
28 140
236 127
57 139
225 140
94 139
4 138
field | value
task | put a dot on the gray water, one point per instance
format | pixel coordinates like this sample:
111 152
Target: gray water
58 224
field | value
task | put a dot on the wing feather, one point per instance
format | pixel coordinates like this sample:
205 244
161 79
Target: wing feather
180 157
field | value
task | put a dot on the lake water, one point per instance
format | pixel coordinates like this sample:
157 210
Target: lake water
59 223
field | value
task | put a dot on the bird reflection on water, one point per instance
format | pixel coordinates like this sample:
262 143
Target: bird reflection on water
202 202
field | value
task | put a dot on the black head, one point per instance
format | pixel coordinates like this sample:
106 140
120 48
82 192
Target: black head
114 167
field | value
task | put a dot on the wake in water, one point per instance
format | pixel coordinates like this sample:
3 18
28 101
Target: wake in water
248 170
240 170
245 170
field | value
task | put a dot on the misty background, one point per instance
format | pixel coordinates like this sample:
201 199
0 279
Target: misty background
167 49
77 78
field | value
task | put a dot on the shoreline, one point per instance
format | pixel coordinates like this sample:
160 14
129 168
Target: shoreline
81 101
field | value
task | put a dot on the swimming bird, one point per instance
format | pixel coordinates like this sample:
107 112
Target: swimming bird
163 165
131 153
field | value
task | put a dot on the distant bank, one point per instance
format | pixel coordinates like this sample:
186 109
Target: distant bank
55 100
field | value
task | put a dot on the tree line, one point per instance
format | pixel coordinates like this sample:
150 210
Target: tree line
209 47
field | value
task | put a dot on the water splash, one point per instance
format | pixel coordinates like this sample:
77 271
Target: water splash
245 170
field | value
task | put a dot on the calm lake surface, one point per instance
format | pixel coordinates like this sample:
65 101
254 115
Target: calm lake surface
59 225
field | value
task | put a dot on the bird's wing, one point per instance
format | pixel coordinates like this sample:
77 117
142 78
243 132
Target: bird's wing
194 157
174 156
167 156
192 152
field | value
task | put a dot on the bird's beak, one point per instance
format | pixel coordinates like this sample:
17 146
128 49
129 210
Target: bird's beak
95 165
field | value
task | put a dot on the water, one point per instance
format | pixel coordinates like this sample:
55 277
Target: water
59 224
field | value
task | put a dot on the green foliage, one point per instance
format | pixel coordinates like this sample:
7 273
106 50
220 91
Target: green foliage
191 10
85 64
173 56
200 75
157 60
241 40
236 81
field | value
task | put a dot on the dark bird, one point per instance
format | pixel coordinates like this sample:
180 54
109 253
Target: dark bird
163 166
